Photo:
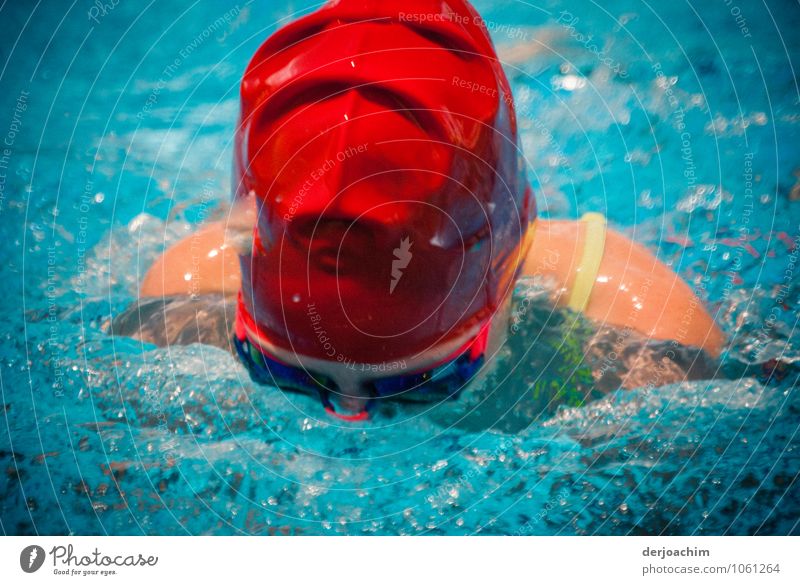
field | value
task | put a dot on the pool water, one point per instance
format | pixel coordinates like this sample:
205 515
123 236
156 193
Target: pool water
679 121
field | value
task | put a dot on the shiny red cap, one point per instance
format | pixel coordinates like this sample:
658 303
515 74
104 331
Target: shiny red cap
380 141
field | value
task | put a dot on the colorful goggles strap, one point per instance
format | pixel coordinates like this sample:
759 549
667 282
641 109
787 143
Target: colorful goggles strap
264 370
443 380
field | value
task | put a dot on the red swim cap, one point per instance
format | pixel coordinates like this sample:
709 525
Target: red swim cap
380 141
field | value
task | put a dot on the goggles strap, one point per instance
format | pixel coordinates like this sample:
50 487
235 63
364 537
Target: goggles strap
244 327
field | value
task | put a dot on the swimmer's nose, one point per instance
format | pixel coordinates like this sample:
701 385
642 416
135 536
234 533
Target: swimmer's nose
352 397
352 403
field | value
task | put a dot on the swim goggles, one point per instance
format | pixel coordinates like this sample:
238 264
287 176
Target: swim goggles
444 381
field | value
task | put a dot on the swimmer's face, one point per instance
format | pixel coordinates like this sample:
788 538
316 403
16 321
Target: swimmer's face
353 382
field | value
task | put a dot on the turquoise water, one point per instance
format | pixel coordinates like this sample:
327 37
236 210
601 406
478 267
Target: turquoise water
679 121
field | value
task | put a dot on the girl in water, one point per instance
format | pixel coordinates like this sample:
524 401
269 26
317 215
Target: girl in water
382 217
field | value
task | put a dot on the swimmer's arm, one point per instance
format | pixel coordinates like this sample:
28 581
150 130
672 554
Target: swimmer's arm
632 289
203 263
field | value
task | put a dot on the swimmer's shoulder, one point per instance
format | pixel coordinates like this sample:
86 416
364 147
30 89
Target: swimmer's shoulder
205 262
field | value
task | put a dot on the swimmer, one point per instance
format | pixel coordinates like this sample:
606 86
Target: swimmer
381 218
